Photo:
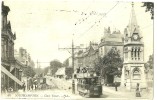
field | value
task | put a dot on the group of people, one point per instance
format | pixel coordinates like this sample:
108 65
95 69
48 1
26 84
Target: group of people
5 90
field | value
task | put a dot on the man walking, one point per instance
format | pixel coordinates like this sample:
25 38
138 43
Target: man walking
115 84
24 87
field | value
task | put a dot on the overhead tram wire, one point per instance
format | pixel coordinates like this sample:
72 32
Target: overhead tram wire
99 20
84 19
74 27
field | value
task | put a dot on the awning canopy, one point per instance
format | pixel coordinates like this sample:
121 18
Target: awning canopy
60 71
4 70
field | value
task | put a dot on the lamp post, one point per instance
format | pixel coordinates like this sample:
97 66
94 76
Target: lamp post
20 74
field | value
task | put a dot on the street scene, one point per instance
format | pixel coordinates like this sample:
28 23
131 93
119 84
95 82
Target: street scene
79 49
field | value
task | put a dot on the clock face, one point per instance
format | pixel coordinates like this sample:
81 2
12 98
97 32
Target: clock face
135 36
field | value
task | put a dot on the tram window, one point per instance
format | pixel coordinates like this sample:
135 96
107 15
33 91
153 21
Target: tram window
93 81
84 81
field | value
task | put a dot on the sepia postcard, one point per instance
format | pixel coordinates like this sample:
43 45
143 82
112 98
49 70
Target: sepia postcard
77 49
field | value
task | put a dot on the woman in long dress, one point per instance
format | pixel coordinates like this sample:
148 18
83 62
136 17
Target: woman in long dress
138 94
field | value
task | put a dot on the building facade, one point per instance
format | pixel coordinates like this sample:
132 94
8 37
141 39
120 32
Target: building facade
109 41
10 69
90 55
133 71
24 57
85 57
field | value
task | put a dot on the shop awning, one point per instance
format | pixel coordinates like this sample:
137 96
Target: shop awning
4 70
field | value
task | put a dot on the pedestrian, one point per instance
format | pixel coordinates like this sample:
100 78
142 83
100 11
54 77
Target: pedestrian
10 89
125 84
138 94
24 87
73 87
115 84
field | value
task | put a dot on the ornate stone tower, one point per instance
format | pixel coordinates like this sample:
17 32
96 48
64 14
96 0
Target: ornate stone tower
133 66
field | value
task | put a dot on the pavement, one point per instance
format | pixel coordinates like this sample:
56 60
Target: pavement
124 93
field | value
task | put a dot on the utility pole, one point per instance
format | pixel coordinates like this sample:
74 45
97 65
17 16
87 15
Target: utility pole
37 68
73 57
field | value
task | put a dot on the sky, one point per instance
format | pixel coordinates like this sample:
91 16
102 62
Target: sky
42 26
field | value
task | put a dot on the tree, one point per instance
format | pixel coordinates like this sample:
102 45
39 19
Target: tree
66 63
32 64
150 62
149 8
29 72
45 71
55 65
111 65
98 65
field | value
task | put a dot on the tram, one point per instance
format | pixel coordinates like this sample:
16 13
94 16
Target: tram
89 85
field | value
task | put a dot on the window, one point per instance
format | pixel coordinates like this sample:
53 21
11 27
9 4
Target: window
126 55
135 53
3 49
136 74
132 50
139 53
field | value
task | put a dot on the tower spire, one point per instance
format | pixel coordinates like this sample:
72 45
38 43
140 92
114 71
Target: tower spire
133 22
132 4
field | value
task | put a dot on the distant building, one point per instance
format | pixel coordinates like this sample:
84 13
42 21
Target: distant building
77 57
24 57
109 41
85 57
90 55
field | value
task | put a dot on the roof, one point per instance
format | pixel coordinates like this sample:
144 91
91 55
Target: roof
5 9
133 26
116 38
108 43
60 71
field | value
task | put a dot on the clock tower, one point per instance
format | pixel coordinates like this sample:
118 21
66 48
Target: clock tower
133 65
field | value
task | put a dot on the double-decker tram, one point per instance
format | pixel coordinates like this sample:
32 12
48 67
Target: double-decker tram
89 85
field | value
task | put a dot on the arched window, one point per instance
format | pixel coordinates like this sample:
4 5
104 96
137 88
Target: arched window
136 74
